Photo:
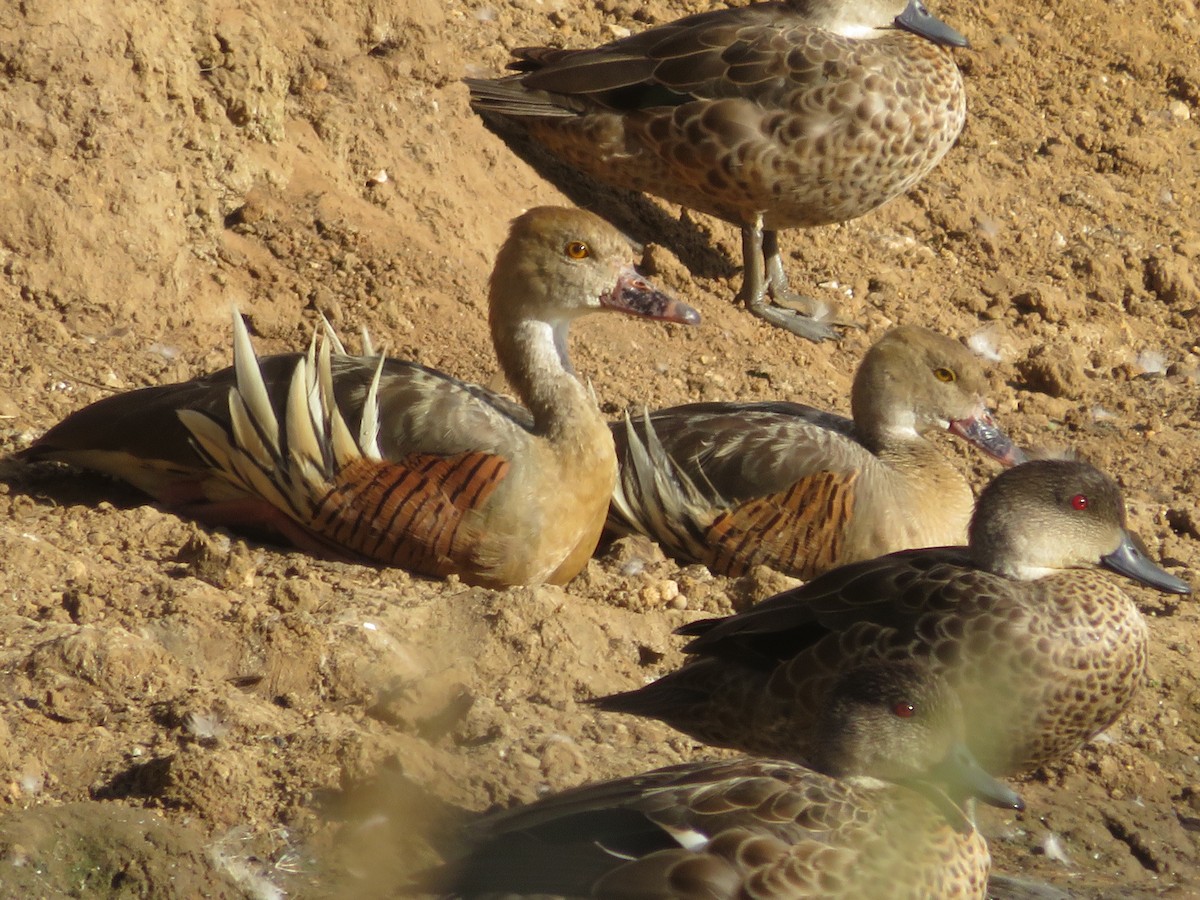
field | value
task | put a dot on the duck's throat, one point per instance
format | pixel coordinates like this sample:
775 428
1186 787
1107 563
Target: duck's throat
533 355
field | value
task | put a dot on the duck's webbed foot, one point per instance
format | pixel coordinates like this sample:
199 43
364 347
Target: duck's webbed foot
766 293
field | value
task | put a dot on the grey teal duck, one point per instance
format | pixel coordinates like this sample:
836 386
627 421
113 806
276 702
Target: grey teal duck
438 476
770 116
893 821
1044 649
734 485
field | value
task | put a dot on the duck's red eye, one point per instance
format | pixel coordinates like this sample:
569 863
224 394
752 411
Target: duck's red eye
1079 501
904 710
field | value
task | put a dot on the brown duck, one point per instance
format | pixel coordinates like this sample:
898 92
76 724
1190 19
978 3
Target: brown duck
1043 648
734 485
770 116
438 476
889 823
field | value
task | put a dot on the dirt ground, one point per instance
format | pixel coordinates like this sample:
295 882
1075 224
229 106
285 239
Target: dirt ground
184 714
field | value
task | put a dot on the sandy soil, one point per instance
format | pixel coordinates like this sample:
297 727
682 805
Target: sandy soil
185 714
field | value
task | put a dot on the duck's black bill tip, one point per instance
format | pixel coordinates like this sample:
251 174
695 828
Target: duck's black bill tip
636 296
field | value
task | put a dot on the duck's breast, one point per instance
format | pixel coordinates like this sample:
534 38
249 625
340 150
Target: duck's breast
545 520
922 501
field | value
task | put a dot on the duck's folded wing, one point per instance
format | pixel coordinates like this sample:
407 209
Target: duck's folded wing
735 485
758 52
333 488
425 411
739 451
895 591
139 436
699 824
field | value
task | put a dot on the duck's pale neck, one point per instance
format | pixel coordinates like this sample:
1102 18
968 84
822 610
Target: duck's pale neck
910 471
1010 565
881 406
884 432
533 355
1021 555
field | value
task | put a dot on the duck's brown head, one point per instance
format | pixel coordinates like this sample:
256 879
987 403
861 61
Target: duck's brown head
1049 515
558 264
900 722
866 19
913 381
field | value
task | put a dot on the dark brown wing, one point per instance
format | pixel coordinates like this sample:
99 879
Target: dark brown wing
740 451
144 425
759 52
895 591
734 485
641 836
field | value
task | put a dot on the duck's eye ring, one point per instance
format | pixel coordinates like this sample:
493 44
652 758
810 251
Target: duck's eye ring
1079 501
578 250
944 375
904 710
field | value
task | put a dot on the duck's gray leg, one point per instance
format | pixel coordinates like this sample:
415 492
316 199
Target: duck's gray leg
764 276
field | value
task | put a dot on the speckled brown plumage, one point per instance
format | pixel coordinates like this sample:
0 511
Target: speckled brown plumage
735 485
771 116
438 476
1043 648
766 828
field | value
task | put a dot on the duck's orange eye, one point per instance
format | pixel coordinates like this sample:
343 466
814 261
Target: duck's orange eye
1079 501
904 710
578 250
945 375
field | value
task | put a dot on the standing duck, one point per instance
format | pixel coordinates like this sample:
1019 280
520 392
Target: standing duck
1043 649
770 116
734 485
439 476
890 822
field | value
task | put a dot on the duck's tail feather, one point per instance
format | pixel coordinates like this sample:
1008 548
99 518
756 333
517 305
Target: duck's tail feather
288 461
654 496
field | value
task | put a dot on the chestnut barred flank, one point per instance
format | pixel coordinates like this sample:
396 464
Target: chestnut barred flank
736 485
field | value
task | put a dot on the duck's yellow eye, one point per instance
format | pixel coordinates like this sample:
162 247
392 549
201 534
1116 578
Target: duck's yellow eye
945 375
578 250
